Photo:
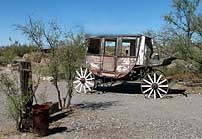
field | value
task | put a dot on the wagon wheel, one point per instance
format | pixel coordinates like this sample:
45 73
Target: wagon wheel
84 81
154 85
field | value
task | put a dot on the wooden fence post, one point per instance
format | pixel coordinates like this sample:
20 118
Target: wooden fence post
26 90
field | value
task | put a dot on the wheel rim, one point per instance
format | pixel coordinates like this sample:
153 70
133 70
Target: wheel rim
84 81
155 85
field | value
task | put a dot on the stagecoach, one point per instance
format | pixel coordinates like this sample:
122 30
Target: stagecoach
112 58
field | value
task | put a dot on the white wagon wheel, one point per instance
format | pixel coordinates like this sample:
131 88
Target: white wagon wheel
84 81
154 85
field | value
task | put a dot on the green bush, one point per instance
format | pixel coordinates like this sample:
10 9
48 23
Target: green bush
9 53
14 99
23 49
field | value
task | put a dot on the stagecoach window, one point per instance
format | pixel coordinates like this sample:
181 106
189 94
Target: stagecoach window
125 49
128 48
110 47
94 46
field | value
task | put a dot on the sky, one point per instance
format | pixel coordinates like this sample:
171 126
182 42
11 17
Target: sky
95 16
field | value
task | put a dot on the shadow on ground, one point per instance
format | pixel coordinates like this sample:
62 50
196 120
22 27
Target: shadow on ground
57 130
85 105
134 88
95 105
59 115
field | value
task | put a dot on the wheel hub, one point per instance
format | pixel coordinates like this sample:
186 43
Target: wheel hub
154 86
83 80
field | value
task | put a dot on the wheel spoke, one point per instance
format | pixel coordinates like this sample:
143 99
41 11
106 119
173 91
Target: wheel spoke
146 85
85 72
77 81
147 90
154 77
150 93
91 84
150 78
78 85
159 94
90 79
84 89
147 81
163 85
162 90
81 88
162 81
87 86
88 74
158 79
77 78
154 94
78 74
81 72
77 90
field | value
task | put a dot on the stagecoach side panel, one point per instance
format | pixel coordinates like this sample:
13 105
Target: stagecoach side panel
125 65
94 62
141 52
108 63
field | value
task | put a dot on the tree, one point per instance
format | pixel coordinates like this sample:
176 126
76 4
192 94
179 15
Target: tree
66 52
198 28
184 24
183 17
73 52
162 41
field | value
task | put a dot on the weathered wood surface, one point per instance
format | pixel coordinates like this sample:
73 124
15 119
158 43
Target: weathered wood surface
26 90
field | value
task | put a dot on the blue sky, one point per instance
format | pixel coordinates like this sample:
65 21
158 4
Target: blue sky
96 16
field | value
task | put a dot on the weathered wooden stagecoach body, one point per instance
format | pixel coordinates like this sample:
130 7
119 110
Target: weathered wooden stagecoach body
122 57
117 56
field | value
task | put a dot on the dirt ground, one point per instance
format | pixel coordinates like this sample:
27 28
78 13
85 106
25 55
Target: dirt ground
121 112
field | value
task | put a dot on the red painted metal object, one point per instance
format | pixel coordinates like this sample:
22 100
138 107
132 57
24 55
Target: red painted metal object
40 119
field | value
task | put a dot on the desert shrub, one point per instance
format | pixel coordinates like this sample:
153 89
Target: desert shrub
34 57
9 53
177 67
181 70
23 49
10 87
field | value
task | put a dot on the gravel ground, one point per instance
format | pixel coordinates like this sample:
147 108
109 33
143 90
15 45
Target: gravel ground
123 116
131 116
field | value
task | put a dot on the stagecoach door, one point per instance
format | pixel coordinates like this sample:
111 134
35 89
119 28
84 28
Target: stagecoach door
101 55
126 55
109 55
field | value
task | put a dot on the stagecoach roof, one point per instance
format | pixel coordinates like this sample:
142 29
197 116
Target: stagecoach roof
113 35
